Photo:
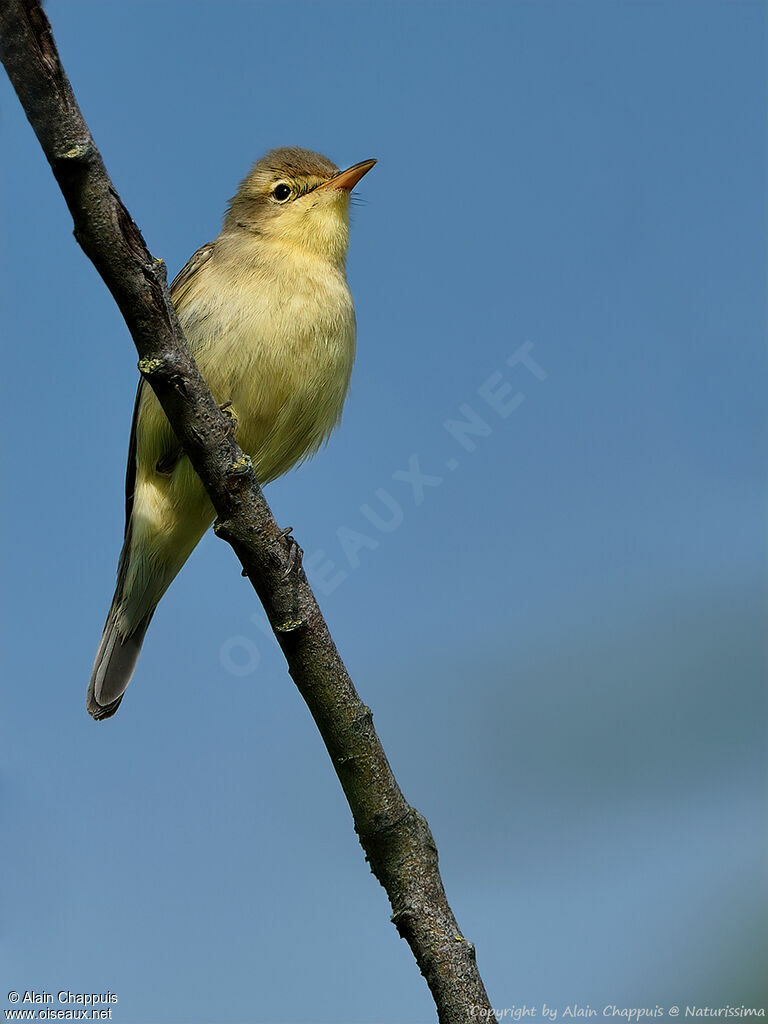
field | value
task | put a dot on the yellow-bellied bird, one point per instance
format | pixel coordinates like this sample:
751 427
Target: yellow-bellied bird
267 313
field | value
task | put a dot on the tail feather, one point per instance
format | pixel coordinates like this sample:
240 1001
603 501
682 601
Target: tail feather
156 544
114 664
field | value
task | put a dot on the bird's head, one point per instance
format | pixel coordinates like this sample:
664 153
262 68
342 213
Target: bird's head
297 200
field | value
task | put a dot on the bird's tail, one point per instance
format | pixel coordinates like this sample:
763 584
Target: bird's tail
115 661
154 550
136 596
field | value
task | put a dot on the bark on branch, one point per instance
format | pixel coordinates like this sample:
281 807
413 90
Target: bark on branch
396 838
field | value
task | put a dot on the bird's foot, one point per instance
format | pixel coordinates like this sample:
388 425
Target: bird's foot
229 412
295 554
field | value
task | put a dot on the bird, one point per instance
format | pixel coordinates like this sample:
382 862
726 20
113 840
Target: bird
267 313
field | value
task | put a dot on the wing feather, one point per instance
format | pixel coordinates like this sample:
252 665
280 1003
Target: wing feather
179 287
184 277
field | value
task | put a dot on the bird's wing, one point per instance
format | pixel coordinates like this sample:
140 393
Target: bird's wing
130 486
130 469
182 280
179 287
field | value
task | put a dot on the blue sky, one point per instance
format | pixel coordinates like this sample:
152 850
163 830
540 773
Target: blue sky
561 637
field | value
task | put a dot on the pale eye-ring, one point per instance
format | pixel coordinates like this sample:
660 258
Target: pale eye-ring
282 192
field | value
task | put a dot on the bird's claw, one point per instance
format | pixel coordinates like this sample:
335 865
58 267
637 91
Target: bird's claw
229 412
295 554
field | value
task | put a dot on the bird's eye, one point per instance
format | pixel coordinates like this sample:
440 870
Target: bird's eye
281 192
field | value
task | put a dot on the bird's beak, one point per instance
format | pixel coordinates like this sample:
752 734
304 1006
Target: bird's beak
346 180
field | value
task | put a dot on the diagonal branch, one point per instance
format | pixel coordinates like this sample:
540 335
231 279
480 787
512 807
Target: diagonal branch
396 838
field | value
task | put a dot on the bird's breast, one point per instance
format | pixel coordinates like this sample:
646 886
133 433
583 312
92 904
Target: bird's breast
279 346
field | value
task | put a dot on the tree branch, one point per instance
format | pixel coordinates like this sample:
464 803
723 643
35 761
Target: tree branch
396 838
